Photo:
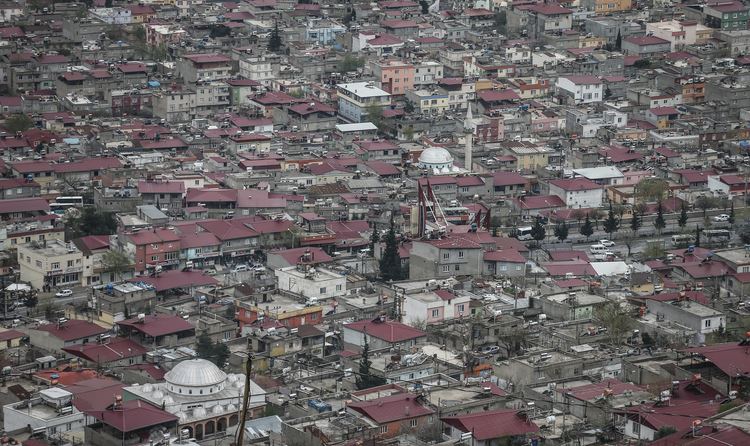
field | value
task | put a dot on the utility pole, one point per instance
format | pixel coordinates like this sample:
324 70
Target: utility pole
246 399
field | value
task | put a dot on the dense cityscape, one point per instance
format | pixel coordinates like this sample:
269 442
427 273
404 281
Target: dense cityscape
386 223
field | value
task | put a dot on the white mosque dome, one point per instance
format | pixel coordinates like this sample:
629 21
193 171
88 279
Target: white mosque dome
168 400
195 373
232 378
240 377
217 410
199 412
435 156
147 388
158 395
231 408
183 417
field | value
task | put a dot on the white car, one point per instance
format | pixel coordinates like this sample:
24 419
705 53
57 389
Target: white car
240 269
64 293
607 243
721 217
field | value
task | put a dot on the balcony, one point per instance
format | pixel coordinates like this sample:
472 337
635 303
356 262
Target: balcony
67 270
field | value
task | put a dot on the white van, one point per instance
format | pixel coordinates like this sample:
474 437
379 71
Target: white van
240 269
524 233
598 249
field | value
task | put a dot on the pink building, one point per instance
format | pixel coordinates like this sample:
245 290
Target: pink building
395 76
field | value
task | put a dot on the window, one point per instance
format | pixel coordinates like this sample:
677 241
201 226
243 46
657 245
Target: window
323 290
383 429
707 324
338 287
636 428
460 308
154 258
413 422
458 268
435 313
55 265
38 263
446 268
70 263
446 255
460 254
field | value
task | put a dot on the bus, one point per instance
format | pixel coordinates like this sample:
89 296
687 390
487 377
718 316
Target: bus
715 237
61 204
683 240
523 233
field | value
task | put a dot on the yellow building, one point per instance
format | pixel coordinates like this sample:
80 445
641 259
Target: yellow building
530 157
10 339
602 7
428 102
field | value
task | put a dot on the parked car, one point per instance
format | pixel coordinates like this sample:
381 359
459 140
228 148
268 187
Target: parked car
721 217
607 243
490 350
240 269
64 293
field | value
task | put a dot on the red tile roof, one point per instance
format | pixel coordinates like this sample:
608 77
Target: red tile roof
501 178
584 79
73 329
713 435
133 415
490 425
595 390
575 267
161 187
94 393
575 184
158 324
504 255
87 165
389 331
540 202
116 349
730 357
7 335
646 40
498 95
401 406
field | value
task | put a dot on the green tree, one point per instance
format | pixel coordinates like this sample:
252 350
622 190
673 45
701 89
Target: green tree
30 299
635 222
617 320
274 42
115 262
374 238
642 63
390 261
538 232
561 231
374 114
107 3
91 221
705 203
139 32
425 6
365 379
698 237
659 222
587 229
683 218
216 352
612 223
651 189
731 213
664 431
351 63
618 41
18 122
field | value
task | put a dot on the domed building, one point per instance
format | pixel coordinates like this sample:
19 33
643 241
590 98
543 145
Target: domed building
436 158
205 399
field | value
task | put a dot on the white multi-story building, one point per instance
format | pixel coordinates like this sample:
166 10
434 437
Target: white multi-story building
174 106
357 97
583 89
427 73
578 192
317 283
55 263
211 97
50 412
259 68
679 33
112 16
435 306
